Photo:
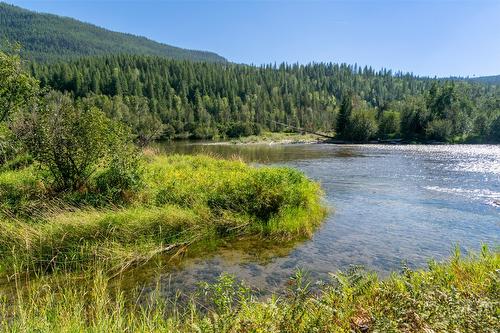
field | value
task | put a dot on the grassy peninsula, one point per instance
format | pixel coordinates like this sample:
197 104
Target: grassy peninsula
183 200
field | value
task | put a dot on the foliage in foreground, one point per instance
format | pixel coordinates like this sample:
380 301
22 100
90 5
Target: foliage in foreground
461 295
184 200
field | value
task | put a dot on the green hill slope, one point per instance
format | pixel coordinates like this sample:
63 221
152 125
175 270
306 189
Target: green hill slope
494 79
46 37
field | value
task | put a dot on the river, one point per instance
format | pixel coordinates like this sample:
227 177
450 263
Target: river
391 206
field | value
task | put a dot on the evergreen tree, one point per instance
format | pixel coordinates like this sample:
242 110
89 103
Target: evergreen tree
344 114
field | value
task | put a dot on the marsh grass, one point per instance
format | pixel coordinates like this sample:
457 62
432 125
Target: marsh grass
184 200
461 295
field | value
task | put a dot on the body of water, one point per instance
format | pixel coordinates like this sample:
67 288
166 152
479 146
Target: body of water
391 205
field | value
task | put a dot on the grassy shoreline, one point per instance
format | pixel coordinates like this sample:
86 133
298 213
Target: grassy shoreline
63 263
461 295
184 200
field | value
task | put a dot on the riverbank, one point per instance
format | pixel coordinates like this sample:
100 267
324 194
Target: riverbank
281 138
273 138
183 201
460 295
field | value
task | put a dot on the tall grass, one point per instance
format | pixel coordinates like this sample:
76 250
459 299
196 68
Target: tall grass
184 200
461 295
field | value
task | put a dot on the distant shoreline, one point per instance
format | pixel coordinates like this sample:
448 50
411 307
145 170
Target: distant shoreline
291 139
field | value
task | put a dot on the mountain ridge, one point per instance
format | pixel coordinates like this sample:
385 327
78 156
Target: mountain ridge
489 79
46 37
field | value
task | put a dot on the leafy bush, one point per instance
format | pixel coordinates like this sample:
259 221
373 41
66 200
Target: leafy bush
123 175
495 130
482 125
239 129
8 144
414 116
17 91
168 132
362 125
204 132
439 129
17 88
389 123
71 143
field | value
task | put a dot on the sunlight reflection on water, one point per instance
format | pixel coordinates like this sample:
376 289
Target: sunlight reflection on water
392 204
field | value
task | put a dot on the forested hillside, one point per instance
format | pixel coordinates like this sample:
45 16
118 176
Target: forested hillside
46 37
157 96
164 91
494 79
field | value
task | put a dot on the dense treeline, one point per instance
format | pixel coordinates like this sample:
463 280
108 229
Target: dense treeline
157 96
493 79
47 37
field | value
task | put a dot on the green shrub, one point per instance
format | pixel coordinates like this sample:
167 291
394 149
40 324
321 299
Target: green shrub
439 129
17 88
414 116
239 129
123 175
204 132
73 144
9 146
495 130
389 123
362 125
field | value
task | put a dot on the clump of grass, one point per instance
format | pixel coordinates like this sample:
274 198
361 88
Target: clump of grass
461 295
72 239
20 189
267 195
183 200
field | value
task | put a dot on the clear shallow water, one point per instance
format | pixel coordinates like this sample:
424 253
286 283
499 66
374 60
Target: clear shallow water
391 205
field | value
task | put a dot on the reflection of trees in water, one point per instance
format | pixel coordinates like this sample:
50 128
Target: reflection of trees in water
262 153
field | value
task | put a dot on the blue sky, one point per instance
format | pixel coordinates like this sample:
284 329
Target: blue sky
426 37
